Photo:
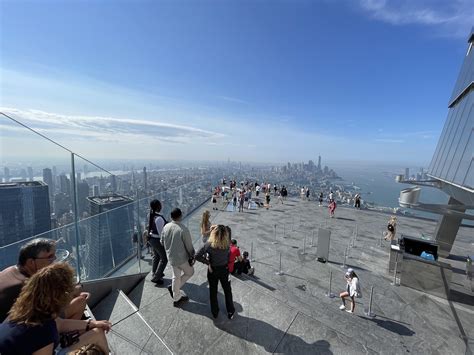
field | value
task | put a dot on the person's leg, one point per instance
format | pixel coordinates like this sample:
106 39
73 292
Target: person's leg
213 281
176 283
163 261
188 271
353 304
75 309
94 336
225 282
343 296
156 256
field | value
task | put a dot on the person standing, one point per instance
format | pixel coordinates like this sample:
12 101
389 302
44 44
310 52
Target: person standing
156 222
177 242
205 226
321 198
352 290
215 254
332 208
357 201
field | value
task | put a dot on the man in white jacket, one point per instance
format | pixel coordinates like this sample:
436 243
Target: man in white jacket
178 244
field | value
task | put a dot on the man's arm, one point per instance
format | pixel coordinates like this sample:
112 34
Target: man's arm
201 255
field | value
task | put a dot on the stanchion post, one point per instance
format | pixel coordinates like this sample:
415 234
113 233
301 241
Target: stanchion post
369 310
284 230
304 245
329 293
252 258
275 234
280 272
312 239
394 283
345 256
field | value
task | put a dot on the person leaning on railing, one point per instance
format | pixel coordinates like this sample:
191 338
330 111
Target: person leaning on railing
34 256
33 325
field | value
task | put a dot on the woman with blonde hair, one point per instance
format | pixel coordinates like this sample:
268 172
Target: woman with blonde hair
205 226
215 253
33 326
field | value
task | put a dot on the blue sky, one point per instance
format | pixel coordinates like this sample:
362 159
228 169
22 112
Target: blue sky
267 81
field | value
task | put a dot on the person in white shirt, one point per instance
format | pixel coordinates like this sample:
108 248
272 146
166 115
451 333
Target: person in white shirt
352 290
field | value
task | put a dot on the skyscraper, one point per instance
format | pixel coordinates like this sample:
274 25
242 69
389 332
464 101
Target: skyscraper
6 174
319 163
407 173
109 241
24 212
145 185
65 185
48 180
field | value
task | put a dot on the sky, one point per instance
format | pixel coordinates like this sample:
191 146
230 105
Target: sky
253 81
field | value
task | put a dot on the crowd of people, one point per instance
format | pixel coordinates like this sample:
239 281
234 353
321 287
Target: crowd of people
42 309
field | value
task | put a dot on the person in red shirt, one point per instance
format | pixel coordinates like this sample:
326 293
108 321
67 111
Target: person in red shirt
234 258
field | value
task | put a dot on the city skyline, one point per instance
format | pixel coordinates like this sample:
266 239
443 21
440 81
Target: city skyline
257 82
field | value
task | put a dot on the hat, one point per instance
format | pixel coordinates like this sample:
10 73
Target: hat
347 274
350 271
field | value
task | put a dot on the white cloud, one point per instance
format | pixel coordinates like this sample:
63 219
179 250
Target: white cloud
389 140
450 17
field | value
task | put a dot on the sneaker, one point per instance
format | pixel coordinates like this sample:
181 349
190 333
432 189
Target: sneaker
230 315
184 299
157 281
215 315
349 311
180 301
170 290
342 307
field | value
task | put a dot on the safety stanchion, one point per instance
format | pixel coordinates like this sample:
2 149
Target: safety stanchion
312 239
369 310
345 257
252 257
280 271
329 293
395 271
284 230
275 234
304 245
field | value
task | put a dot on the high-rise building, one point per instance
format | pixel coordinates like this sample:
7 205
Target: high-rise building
145 181
48 180
64 184
407 173
24 212
6 174
82 194
78 177
109 242
319 163
95 190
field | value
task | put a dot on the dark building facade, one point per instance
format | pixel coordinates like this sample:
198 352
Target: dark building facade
24 212
108 242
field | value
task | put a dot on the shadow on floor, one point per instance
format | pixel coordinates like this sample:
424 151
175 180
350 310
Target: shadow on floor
392 326
258 332
346 219
255 279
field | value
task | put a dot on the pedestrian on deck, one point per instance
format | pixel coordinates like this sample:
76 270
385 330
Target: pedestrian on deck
321 199
267 199
332 208
357 201
205 226
178 244
307 193
389 234
352 290
156 222
215 254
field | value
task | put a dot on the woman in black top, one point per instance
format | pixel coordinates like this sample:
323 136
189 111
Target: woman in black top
215 253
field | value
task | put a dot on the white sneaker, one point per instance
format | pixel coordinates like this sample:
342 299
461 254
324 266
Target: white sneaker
349 311
342 307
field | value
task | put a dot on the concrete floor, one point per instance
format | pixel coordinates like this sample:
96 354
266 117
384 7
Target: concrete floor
291 313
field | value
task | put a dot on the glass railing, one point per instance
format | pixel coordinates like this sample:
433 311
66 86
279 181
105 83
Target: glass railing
96 216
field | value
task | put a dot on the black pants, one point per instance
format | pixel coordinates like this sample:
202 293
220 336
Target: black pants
159 258
220 273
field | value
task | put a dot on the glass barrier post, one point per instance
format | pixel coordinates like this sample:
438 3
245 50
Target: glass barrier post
76 217
139 240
